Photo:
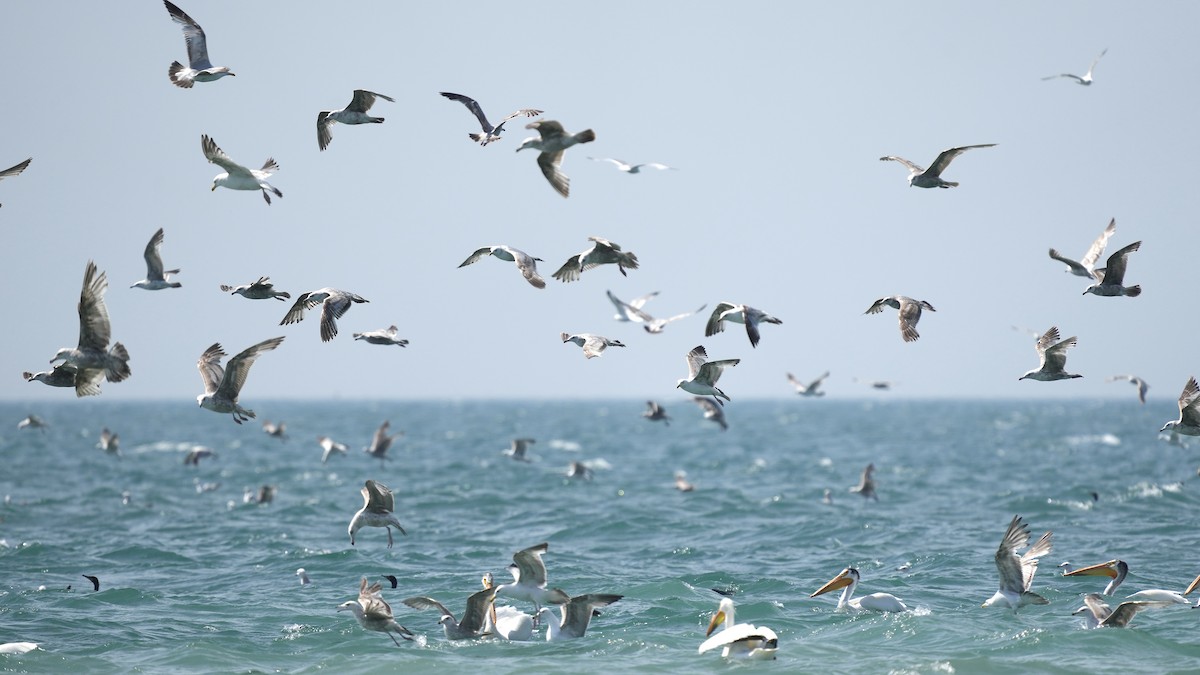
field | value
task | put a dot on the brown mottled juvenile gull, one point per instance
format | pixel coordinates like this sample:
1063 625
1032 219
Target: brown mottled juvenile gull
1053 355
743 314
473 618
576 615
1086 80
381 441
383 336
632 311
92 360
262 289
1136 381
910 313
712 411
810 389
334 304
632 168
223 385
703 374
373 612
601 252
199 69
377 511
354 113
490 133
156 278
526 263
236 176
1086 266
1016 571
1112 282
552 143
15 170
919 176
593 345
1188 423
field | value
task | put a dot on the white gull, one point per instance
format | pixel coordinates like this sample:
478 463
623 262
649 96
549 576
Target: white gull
262 289
1112 282
743 314
1188 423
1086 80
156 278
812 388
383 336
1086 266
632 168
703 374
200 68
526 263
1052 353
354 113
236 176
593 345
601 252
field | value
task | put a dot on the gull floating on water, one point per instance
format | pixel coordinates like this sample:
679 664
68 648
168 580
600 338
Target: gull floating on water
552 143
32 422
223 385
200 68
526 263
876 602
1086 267
382 441
330 446
304 580
109 442
919 176
593 345
91 363
275 430
703 374
681 482
712 411
744 314
1188 423
1053 355
507 622
373 612
196 454
529 580
334 304
236 176
601 252
655 413
377 511
1016 571
866 484
738 640
354 113
258 290
1136 381
156 279
1111 283
490 133
1086 80
60 376
632 311
910 313
473 617
576 615
632 168
812 388
383 336
519 448
15 171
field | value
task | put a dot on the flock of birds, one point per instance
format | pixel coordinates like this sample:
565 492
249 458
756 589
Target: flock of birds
94 360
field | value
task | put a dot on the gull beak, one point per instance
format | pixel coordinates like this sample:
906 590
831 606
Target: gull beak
842 580
717 620
1105 569
214 188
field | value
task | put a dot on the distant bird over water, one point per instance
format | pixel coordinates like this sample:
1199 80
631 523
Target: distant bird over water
632 168
275 430
711 411
743 314
526 263
377 511
910 313
109 442
334 304
200 68
921 177
490 133
236 176
354 113
330 446
1086 80
810 389
1053 355
1086 266
519 447
1136 381
32 422
601 252
92 360
383 336
655 413
866 484
381 441
1111 283
156 279
15 170
262 289
223 385
632 311
593 345
552 143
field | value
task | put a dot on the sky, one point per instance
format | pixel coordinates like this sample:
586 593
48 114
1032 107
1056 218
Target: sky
775 115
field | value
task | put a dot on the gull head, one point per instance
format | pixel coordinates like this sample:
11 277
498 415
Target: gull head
1169 426
680 383
61 355
200 400
351 605
531 142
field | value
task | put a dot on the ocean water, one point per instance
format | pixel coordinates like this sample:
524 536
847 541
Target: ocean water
203 582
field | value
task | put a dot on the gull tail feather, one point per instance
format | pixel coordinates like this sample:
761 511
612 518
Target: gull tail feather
120 370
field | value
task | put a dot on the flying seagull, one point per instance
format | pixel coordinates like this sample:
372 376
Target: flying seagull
632 168
32 422
200 68
1086 80
92 360
932 177
553 142
334 304
519 447
703 374
1111 283
1136 381
576 615
490 133
373 612
593 345
525 262
712 411
236 176
330 446
1086 267
354 113
383 336
601 252
632 311
473 617
744 314
262 289
223 385
529 579
60 376
866 484
197 453
14 170
156 278
1016 571
812 388
275 430
381 441
655 413
1053 355
1188 423
910 313
377 511
109 442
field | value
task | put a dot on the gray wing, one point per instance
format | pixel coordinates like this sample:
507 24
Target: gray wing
1124 613
217 156
640 302
381 434
478 255
1048 338
1073 77
476 613
683 316
1055 357
910 314
1075 266
943 160
363 100
324 135
877 306
473 106
570 270
1029 560
332 309
528 266
423 602
1012 578
296 313
378 497
238 367
1188 403
711 372
523 112
916 168
695 360
1098 607
1093 66
210 368
549 129
193 35
578 612
549 163
15 170
1097 248
1114 273
94 328
154 263
714 324
529 563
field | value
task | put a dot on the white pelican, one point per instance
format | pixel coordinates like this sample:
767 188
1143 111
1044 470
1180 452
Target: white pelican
473 618
1016 572
236 176
156 278
1189 412
576 615
1052 353
529 579
743 314
1086 267
601 252
593 345
553 142
909 314
354 113
1112 283
919 176
876 602
1116 570
1086 80
373 612
334 304
507 622
1103 616
738 639
200 68
703 374
377 511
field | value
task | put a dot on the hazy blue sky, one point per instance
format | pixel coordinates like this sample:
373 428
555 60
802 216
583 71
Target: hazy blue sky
776 115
